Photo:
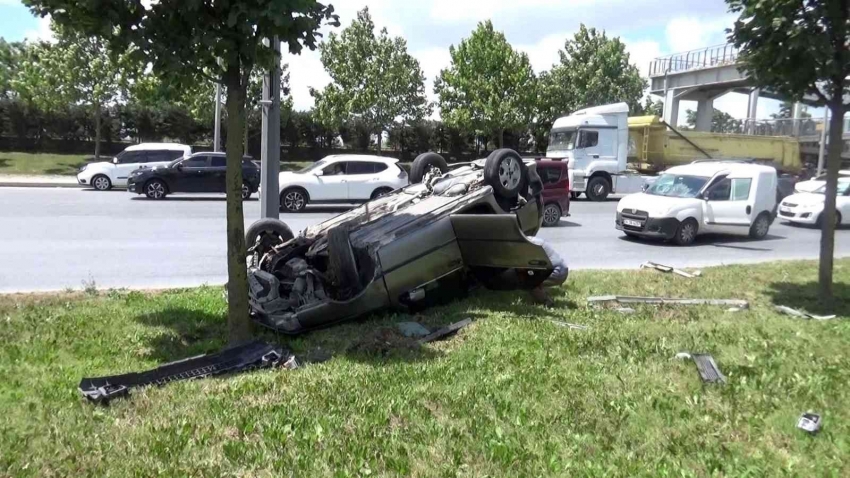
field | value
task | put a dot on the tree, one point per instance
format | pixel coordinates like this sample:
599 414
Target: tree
374 79
800 47
721 122
489 87
652 108
10 58
219 40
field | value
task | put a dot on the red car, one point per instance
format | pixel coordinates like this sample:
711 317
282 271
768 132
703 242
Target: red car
556 190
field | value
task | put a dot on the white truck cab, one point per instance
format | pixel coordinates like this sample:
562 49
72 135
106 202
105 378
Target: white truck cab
595 143
702 197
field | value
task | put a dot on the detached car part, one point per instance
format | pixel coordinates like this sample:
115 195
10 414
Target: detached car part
423 244
253 355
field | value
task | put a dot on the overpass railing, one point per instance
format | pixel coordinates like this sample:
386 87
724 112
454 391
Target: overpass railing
717 55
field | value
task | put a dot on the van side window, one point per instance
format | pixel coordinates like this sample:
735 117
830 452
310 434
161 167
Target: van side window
131 157
159 156
720 191
741 189
589 139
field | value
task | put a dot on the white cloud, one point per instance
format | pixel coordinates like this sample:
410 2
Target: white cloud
690 33
42 32
305 71
479 10
641 53
544 53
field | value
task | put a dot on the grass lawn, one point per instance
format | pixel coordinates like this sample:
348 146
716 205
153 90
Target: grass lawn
36 164
513 394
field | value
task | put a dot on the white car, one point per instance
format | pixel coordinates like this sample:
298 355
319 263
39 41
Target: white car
807 208
706 197
108 174
340 179
816 183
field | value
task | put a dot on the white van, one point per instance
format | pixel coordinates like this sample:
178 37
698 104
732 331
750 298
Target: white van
108 174
704 197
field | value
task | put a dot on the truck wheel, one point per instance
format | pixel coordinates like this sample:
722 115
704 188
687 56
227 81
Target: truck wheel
505 172
760 226
551 215
598 188
686 233
426 162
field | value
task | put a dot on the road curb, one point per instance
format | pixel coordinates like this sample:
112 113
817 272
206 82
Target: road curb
38 185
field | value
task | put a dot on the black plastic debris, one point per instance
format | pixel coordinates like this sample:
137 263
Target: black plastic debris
447 330
809 422
253 355
706 366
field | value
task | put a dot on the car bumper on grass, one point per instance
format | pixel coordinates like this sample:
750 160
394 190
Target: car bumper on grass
643 225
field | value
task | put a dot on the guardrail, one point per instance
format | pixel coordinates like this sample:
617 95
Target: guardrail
717 55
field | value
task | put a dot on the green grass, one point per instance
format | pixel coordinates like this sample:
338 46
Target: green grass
513 394
39 163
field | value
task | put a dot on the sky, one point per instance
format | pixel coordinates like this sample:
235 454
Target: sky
649 28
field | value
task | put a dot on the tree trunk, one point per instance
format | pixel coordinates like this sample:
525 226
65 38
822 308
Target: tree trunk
247 120
97 131
833 162
501 138
238 322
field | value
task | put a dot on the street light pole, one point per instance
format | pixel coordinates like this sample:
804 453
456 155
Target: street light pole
217 128
270 154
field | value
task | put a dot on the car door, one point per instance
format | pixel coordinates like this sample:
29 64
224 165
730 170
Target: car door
727 207
362 180
192 173
218 174
332 184
495 240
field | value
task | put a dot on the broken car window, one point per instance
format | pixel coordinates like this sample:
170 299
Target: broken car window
677 186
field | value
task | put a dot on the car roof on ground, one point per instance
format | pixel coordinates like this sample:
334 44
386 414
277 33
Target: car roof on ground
710 168
147 146
360 157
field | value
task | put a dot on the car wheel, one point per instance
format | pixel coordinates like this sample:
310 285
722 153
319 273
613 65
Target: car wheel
342 266
273 230
101 183
155 189
686 233
380 192
819 222
551 215
505 172
293 200
246 191
760 227
598 189
425 163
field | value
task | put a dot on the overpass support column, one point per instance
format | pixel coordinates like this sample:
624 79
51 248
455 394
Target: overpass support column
752 110
705 112
671 108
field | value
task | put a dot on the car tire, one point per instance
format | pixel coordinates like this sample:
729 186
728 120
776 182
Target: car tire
760 227
686 233
156 189
101 182
294 199
424 163
551 214
598 188
246 191
819 222
342 267
380 192
505 172
277 229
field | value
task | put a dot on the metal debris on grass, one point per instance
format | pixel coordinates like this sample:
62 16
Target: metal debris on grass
664 268
809 422
706 366
625 310
802 314
445 331
412 329
569 325
622 299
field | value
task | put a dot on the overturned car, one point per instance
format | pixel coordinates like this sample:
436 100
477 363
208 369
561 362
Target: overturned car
451 229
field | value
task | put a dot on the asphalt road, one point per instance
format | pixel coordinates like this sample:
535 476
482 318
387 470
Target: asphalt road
52 239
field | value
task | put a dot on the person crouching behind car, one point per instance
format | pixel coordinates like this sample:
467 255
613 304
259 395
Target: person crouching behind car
558 276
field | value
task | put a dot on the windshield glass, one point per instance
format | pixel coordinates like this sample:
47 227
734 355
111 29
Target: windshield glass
317 165
563 140
843 186
677 186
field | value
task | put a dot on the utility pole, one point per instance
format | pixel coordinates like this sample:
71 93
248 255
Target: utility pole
217 129
270 155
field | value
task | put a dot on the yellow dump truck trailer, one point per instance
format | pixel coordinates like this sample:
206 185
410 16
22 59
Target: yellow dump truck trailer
653 147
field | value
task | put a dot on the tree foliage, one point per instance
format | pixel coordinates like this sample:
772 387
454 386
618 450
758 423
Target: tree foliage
489 87
799 47
374 78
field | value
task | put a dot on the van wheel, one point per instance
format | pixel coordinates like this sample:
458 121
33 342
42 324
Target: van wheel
505 172
760 227
686 233
551 215
598 188
101 183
